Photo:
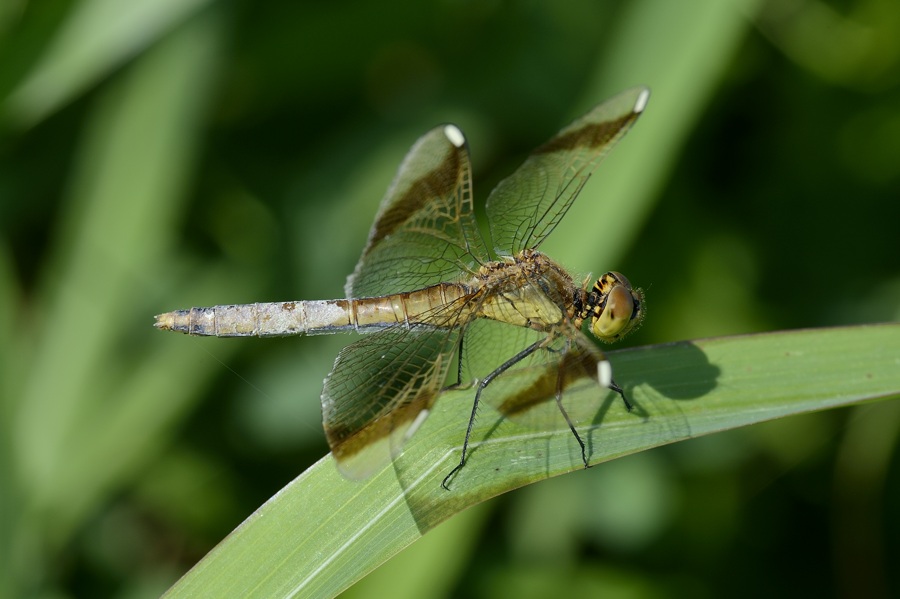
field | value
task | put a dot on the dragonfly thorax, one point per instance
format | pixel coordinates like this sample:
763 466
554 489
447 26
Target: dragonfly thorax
528 290
614 307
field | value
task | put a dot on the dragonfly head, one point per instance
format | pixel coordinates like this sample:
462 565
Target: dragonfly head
615 307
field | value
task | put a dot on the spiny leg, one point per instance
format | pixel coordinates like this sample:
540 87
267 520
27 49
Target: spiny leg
459 366
481 385
459 361
614 387
562 409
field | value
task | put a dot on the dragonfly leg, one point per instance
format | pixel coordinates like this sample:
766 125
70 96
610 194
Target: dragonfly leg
459 361
614 387
562 409
481 385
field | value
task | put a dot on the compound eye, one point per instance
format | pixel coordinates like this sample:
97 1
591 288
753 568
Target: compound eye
615 319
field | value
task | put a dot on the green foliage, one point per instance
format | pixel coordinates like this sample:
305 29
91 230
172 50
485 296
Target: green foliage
162 154
322 532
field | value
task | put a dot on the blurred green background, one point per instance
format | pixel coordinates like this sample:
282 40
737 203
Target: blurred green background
159 154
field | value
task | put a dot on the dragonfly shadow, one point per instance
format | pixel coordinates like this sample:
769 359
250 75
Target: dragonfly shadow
649 377
428 502
679 371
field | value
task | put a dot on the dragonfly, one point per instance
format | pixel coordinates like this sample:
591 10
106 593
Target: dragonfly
441 309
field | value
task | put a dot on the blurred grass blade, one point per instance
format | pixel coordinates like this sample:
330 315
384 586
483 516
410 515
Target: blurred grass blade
10 362
10 313
322 533
138 147
699 39
97 37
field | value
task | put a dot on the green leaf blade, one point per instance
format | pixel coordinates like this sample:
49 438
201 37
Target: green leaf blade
322 533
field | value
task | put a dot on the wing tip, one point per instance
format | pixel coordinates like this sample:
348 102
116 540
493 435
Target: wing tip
604 373
642 99
454 135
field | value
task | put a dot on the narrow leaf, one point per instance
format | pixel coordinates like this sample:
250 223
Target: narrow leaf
322 533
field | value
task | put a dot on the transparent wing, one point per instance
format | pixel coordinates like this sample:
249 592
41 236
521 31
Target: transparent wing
380 389
425 230
525 207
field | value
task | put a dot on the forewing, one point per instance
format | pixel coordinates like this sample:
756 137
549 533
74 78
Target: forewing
525 207
379 392
425 230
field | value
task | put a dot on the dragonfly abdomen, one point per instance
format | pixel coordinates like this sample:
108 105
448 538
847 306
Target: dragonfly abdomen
278 319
